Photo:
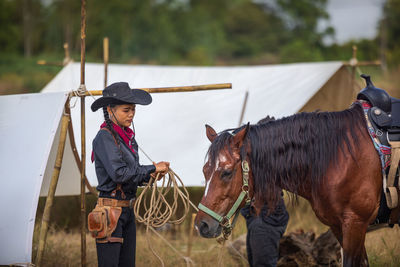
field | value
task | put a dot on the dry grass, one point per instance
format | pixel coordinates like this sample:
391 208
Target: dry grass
63 247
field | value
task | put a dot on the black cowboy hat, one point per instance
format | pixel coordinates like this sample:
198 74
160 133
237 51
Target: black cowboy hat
120 93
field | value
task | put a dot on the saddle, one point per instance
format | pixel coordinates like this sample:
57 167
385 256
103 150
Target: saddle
384 118
384 114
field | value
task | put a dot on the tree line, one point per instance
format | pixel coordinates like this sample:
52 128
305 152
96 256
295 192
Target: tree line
200 32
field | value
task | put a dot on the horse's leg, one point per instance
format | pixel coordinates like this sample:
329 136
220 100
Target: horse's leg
354 253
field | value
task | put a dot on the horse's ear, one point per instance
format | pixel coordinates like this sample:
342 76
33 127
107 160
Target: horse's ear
210 132
239 137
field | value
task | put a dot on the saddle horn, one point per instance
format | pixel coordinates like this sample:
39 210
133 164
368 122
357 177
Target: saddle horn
367 79
376 96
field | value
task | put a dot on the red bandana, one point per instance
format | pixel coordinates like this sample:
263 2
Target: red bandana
126 134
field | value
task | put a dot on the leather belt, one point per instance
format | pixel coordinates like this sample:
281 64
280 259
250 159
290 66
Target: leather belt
115 202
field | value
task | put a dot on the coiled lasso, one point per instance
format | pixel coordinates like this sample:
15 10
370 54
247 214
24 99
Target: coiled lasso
157 210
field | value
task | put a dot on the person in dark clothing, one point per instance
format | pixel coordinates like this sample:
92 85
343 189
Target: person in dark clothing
115 154
264 233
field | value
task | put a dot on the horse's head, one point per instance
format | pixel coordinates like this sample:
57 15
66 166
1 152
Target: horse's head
227 187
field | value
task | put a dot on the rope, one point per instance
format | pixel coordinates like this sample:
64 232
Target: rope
156 209
81 91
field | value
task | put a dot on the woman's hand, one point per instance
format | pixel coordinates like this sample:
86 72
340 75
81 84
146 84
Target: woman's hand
161 168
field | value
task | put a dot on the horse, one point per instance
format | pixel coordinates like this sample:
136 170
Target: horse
327 158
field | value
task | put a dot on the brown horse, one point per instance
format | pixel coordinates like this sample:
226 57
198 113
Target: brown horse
326 157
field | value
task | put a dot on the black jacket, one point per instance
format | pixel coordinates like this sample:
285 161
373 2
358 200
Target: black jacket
118 165
278 217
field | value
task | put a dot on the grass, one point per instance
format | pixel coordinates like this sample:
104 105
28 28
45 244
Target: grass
63 245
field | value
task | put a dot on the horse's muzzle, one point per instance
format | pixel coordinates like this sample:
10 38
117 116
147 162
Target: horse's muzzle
209 228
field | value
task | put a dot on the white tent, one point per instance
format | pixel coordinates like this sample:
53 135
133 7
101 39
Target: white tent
171 128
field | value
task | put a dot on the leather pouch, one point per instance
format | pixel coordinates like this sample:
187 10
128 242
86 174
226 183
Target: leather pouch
103 220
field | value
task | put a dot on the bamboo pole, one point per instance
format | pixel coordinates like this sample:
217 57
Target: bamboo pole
52 188
364 63
105 55
83 176
83 134
353 64
243 108
169 89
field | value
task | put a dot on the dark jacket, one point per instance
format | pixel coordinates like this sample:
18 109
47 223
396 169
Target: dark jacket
278 217
118 165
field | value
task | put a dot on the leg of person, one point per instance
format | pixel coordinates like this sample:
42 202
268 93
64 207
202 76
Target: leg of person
248 248
128 249
264 243
108 253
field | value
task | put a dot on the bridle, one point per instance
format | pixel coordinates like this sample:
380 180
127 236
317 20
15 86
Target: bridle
224 221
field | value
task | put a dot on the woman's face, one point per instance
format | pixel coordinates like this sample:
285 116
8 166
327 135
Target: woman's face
123 114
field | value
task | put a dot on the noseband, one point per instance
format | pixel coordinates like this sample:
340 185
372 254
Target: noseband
224 221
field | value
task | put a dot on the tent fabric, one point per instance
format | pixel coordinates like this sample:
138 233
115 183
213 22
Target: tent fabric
337 94
28 125
172 127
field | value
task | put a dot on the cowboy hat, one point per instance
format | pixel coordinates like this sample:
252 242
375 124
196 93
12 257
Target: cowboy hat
120 93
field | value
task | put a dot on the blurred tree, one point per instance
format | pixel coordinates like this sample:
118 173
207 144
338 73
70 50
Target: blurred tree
200 32
253 29
10 37
389 32
301 18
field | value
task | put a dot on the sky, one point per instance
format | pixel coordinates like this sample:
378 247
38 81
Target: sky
354 19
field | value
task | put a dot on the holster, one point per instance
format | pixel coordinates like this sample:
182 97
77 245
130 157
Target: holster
102 221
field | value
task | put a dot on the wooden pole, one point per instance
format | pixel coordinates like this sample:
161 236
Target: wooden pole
82 89
170 89
190 239
67 58
52 188
243 107
353 64
105 55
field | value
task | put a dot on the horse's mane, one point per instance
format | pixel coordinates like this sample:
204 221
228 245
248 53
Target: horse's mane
295 151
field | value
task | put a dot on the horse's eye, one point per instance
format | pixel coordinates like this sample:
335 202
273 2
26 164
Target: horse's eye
226 173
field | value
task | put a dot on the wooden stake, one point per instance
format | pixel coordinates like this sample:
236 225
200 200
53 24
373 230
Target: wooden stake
105 55
67 58
52 188
190 239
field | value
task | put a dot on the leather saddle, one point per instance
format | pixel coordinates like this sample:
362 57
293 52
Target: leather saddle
384 114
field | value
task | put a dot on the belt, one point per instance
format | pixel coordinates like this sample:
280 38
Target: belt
115 202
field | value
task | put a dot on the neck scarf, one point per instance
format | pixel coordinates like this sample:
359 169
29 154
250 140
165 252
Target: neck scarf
126 134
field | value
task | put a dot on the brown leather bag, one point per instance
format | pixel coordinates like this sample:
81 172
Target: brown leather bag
103 220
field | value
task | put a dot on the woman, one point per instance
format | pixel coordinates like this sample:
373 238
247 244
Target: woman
115 153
